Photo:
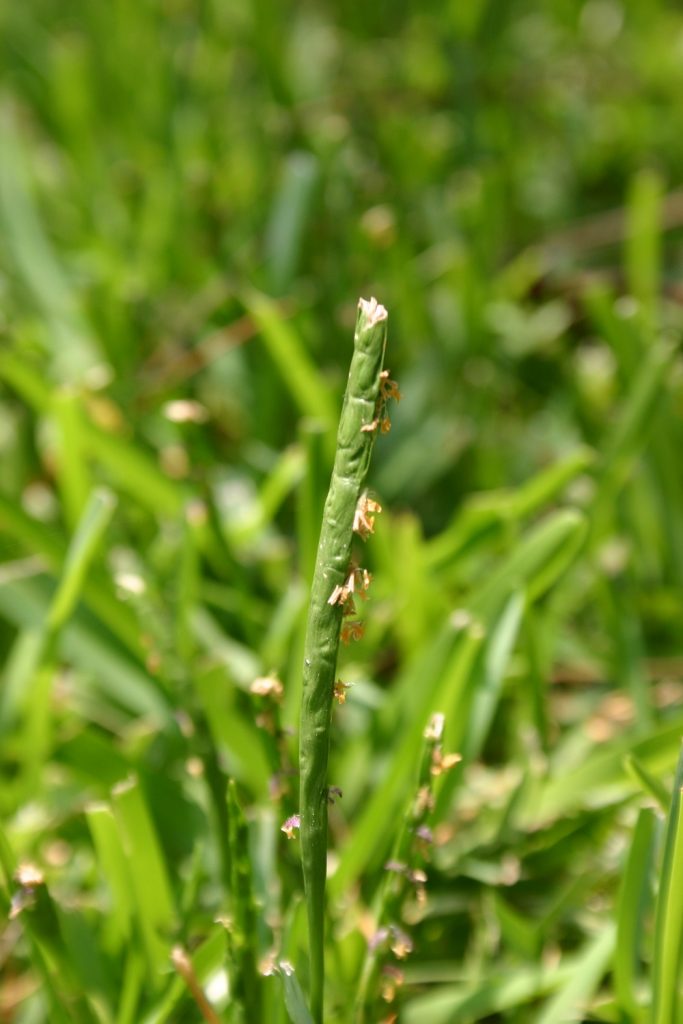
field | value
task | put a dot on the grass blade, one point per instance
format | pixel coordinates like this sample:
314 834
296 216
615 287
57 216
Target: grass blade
666 978
631 910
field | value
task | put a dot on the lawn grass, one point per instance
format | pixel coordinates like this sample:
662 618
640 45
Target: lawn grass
192 198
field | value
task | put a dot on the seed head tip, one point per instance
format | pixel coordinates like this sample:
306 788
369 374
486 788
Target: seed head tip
373 310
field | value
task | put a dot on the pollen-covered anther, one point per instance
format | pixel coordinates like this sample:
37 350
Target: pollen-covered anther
369 428
392 979
424 802
417 876
385 425
343 591
291 826
401 943
352 631
364 516
267 686
358 580
362 580
434 730
339 691
388 388
443 762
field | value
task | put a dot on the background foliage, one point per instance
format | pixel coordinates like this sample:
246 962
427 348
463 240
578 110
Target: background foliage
192 196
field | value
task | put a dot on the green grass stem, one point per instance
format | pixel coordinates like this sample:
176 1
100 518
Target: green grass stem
357 429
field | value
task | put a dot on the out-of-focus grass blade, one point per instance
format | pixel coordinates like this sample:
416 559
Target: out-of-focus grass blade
311 494
631 908
235 735
437 687
589 967
487 511
25 379
8 866
600 777
57 963
240 661
82 550
648 782
29 698
97 591
518 932
285 476
79 557
291 207
496 993
470 710
624 335
133 978
73 351
116 871
244 938
135 473
495 663
72 468
666 975
643 240
630 430
133 470
408 584
150 885
308 389
295 1000
207 963
541 557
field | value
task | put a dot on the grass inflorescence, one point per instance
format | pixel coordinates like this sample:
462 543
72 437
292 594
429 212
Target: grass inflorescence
331 598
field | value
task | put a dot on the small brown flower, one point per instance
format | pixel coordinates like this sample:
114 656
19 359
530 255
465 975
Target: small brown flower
267 686
388 388
352 631
339 692
364 517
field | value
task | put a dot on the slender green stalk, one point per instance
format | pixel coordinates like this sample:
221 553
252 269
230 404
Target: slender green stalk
361 413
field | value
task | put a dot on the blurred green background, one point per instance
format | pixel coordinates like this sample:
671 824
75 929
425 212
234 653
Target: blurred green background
193 194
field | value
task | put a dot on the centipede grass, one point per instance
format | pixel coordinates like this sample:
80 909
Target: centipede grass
361 417
191 197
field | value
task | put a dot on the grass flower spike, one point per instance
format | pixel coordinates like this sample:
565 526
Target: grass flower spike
346 510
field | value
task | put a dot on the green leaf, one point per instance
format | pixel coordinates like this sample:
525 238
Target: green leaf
294 998
666 973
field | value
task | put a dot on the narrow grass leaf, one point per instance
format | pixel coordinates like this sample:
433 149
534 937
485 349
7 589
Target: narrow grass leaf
571 1000
542 556
150 885
307 387
643 240
600 778
631 910
291 209
648 782
498 992
116 872
72 472
666 976
295 1000
81 553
